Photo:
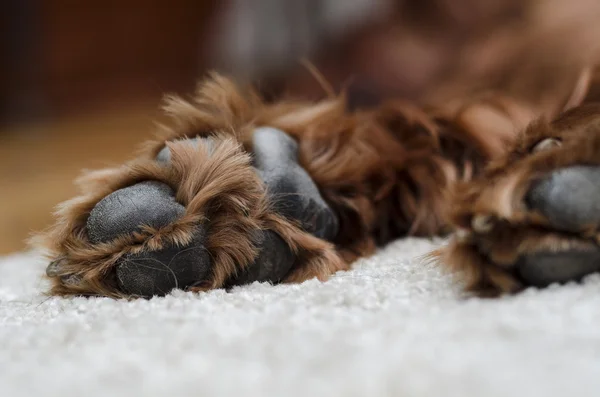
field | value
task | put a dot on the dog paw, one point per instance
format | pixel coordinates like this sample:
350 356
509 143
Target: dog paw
532 217
200 213
149 204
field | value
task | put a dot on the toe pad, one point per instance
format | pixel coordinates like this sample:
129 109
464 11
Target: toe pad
291 189
126 210
544 268
159 272
569 198
273 263
148 273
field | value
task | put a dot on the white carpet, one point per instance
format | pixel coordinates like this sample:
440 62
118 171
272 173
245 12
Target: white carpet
391 327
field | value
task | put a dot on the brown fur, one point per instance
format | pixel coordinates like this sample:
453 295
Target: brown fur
486 261
383 171
391 170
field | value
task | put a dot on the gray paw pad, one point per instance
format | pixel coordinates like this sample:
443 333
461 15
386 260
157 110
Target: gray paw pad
157 273
569 197
126 210
273 263
291 189
544 268
148 273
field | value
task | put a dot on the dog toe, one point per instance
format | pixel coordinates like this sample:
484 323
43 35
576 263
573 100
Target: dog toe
273 263
156 273
568 198
126 210
541 269
148 273
293 192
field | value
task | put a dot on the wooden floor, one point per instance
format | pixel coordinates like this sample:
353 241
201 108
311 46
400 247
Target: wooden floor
39 162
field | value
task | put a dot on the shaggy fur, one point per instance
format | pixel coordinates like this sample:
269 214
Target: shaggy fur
386 172
383 172
486 260
422 167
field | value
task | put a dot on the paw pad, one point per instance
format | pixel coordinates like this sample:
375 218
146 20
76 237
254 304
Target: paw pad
274 261
158 272
292 190
124 211
149 273
568 198
544 268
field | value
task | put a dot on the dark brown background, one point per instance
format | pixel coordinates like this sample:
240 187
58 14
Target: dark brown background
81 81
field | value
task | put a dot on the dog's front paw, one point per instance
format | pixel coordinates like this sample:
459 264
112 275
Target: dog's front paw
200 214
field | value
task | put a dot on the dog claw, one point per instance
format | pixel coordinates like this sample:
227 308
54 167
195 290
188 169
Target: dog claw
71 279
546 144
54 268
482 223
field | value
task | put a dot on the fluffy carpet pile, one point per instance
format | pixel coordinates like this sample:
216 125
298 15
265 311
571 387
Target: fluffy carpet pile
393 326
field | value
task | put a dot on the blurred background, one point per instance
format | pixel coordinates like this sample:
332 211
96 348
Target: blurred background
81 81
80 84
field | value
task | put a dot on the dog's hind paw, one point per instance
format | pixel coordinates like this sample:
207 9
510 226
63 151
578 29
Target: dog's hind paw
532 218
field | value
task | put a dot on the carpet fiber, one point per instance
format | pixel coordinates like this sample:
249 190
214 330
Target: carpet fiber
393 326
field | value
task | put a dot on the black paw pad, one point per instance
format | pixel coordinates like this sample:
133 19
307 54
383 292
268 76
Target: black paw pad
124 211
293 192
569 198
273 263
157 273
544 268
